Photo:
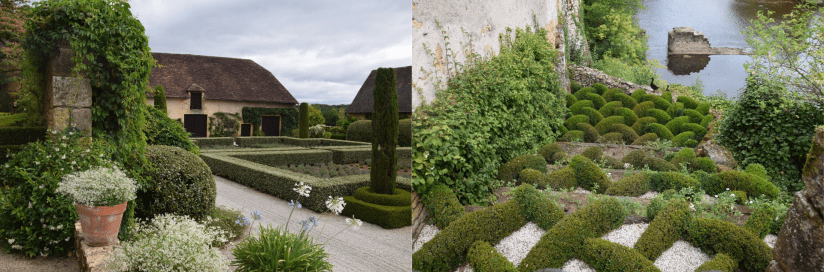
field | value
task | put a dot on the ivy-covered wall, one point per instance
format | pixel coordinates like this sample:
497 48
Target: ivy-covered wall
288 117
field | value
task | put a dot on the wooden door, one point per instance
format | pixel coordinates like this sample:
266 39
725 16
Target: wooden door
270 125
195 124
245 130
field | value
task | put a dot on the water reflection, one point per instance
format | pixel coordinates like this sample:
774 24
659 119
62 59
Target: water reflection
721 21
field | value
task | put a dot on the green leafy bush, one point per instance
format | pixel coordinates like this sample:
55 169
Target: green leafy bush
641 125
664 230
180 183
597 100
629 115
633 185
594 115
682 138
610 138
642 108
705 122
660 116
699 130
689 103
576 108
604 255
28 193
646 139
587 174
628 135
360 131
566 238
658 164
485 258
761 220
593 153
571 123
448 248
604 126
716 236
573 136
512 98
662 181
443 206
720 262
676 124
510 170
563 178
609 108
162 130
753 185
704 164
590 133
659 130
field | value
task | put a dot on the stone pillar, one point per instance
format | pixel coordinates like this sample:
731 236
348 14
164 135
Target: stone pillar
800 244
68 98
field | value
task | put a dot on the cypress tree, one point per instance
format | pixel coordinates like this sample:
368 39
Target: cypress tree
160 98
384 132
303 123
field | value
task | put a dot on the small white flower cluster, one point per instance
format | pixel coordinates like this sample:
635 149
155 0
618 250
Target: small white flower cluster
316 131
98 187
171 243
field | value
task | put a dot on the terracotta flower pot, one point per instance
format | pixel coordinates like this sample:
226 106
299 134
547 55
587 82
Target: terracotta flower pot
100 224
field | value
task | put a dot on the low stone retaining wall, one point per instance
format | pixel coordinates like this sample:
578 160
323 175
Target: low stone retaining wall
90 259
419 215
588 76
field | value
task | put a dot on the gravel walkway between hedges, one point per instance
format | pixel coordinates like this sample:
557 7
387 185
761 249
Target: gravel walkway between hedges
370 248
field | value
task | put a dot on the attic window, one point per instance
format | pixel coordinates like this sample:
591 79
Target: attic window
196 101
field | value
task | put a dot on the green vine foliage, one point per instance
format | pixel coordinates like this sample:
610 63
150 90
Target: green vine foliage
772 127
223 124
160 98
111 49
495 110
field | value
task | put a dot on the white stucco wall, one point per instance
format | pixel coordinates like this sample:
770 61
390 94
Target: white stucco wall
177 107
483 20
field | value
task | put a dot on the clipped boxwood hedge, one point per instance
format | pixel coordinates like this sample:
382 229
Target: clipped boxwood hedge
443 205
661 117
447 250
633 185
606 256
560 179
683 138
213 141
645 139
587 174
593 153
716 236
676 124
628 135
597 100
635 158
566 239
761 220
548 150
346 155
590 133
510 170
401 197
360 131
664 230
609 108
284 157
572 136
753 185
629 116
576 108
682 156
537 207
388 217
625 99
704 164
485 258
658 164
660 130
571 123
662 181
642 108
641 125
720 262
594 115
605 124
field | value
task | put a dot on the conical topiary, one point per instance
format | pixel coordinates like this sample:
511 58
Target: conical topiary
384 133
303 123
160 98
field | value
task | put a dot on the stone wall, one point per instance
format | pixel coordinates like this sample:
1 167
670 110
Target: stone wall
178 107
685 40
475 22
588 76
68 97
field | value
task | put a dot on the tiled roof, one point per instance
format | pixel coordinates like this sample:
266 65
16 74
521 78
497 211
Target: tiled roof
364 100
217 77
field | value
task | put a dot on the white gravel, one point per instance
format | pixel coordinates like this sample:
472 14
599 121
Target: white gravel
626 235
515 247
575 265
427 233
681 257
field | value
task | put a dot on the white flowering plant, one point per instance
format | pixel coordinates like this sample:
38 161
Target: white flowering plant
98 187
276 249
170 243
39 220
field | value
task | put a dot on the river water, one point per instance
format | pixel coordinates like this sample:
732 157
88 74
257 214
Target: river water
721 21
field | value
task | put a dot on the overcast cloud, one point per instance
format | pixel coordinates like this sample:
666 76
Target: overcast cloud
321 51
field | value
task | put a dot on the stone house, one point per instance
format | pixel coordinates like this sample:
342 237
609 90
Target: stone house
198 86
361 106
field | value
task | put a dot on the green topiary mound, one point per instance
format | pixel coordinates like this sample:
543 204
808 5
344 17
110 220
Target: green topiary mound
180 183
597 100
572 136
705 122
575 86
757 170
667 96
510 170
599 88
689 103
566 239
611 162
604 125
628 135
575 109
704 164
548 150
642 108
360 131
603 255
658 164
753 185
684 155
443 206
570 100
662 181
720 262
676 109
593 153
661 104
660 116
581 94
635 158
594 115
531 176
760 221
571 123
590 133
561 179
609 108
699 130
641 125
659 130
703 108
629 115
694 116
483 257
664 230
625 99
645 139
717 236
633 185
587 174
683 138
537 207
676 124
162 130
637 94
400 197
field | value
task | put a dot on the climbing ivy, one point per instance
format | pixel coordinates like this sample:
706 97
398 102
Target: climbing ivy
111 50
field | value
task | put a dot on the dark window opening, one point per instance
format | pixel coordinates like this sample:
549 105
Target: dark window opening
197 101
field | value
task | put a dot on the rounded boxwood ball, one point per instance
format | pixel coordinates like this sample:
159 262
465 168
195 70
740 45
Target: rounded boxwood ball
360 131
180 183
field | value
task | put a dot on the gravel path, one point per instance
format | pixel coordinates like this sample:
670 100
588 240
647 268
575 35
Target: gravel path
681 257
17 262
370 248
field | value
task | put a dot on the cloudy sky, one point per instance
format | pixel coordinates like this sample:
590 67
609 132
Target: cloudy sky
321 51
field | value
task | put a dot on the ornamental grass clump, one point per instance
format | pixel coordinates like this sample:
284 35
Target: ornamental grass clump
170 243
98 187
